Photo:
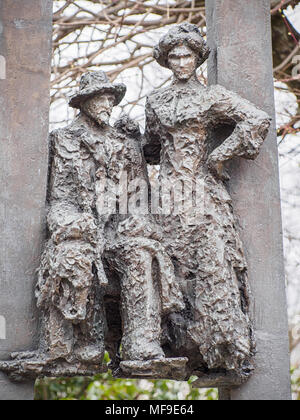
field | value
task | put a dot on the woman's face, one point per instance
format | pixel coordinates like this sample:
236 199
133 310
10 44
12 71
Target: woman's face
183 62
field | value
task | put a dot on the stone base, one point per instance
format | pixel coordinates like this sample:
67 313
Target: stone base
154 369
31 366
220 380
39 367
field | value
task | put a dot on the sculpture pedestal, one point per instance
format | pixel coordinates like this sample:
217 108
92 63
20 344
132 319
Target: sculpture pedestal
32 368
174 368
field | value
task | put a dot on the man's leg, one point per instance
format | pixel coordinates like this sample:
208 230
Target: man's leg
141 308
60 335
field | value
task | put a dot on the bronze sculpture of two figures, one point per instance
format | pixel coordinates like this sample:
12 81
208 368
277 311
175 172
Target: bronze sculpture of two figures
156 278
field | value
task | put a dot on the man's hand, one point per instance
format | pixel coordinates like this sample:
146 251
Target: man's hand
73 226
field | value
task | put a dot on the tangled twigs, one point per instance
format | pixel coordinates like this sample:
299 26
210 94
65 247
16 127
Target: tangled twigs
87 32
118 36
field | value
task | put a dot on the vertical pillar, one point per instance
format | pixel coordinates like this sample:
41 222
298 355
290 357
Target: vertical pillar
239 34
25 52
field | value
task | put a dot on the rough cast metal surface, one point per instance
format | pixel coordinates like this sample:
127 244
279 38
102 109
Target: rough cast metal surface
241 60
155 369
192 131
96 260
25 44
165 292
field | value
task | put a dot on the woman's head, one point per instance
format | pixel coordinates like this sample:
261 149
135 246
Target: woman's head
182 60
182 50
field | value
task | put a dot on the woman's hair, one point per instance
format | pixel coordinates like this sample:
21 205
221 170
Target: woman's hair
185 33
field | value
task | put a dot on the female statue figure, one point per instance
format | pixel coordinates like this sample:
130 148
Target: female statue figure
184 123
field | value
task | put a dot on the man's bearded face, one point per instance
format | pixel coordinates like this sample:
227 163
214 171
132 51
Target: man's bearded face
99 108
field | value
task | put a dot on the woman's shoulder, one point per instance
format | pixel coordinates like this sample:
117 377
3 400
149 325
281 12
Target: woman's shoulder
220 92
230 100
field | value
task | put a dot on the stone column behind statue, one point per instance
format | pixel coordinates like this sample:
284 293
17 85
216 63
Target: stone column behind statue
240 38
25 51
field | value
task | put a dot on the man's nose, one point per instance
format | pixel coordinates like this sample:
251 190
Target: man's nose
182 62
106 103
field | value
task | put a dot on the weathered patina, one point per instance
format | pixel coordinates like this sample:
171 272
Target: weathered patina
164 288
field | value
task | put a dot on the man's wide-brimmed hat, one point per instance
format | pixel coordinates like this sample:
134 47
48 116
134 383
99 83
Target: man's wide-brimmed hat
185 33
95 83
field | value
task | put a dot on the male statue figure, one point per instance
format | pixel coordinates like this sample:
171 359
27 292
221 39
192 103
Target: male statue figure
98 212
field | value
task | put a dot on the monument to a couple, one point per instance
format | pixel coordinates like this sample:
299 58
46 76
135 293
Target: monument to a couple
157 276
166 295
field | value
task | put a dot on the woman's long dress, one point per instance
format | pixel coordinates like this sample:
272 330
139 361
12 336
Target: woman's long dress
182 127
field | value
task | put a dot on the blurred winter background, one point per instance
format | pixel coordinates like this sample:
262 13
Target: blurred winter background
117 36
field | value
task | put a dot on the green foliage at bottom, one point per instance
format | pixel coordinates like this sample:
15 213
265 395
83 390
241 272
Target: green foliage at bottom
105 387
296 384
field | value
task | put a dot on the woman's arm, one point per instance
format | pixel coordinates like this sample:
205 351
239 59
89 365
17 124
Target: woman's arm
251 129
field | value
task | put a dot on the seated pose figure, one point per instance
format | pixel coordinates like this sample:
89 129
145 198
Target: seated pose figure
98 224
87 223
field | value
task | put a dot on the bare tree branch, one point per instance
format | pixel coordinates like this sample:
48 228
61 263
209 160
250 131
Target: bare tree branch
112 34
